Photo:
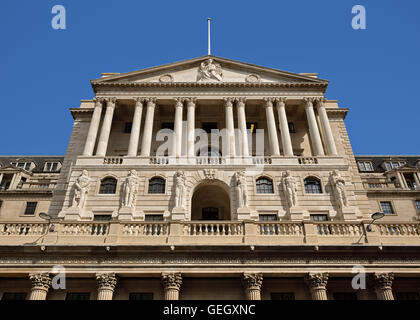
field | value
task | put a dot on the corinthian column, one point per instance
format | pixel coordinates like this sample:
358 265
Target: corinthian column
93 128
317 283
383 285
106 285
271 125
313 127
252 283
172 284
190 126
284 127
148 127
41 282
179 103
106 127
133 145
325 123
240 103
230 126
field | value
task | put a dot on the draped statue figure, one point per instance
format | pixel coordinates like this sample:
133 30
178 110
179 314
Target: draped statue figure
290 189
241 189
179 189
131 185
338 185
81 188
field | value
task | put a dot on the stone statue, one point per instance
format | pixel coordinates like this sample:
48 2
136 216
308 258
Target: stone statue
81 188
338 184
179 190
209 70
131 186
290 189
240 184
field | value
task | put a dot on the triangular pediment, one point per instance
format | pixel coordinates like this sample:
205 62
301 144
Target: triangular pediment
209 69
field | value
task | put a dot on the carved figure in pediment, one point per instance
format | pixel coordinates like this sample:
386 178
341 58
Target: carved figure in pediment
209 70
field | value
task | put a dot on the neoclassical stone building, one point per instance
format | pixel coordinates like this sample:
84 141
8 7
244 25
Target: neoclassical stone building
209 179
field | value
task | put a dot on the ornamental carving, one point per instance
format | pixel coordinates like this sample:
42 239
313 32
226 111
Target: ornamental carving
290 189
106 280
339 189
40 280
253 78
172 280
180 189
210 174
252 281
209 70
81 188
316 280
241 189
131 185
166 78
383 280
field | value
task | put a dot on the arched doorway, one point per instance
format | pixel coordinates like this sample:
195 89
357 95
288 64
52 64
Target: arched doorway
211 202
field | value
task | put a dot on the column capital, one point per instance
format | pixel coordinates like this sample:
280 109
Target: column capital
240 101
41 281
383 280
228 101
308 101
320 101
98 101
252 281
268 102
316 280
150 100
179 102
172 280
280 101
111 100
106 280
139 100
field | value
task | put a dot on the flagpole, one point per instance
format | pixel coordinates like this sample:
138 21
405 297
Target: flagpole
209 49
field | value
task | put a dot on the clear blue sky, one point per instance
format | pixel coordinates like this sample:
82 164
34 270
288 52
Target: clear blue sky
373 72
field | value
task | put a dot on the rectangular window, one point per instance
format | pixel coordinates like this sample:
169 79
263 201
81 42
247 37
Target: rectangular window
153 217
127 127
286 296
78 296
208 126
268 217
252 126
141 296
365 166
30 208
51 166
345 296
319 217
291 127
102 217
407 296
44 185
417 203
386 207
14 296
167 125
388 166
22 165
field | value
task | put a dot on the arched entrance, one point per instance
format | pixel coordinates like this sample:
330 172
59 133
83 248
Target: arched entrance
211 202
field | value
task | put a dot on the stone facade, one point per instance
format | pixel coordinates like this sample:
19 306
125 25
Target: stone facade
276 206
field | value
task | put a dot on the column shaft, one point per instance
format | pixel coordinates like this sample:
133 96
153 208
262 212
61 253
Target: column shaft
230 126
106 128
415 174
93 128
242 126
135 128
190 127
177 147
326 127
272 130
148 128
313 127
106 285
284 128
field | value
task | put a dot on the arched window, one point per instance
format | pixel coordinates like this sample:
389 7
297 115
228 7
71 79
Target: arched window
312 185
108 186
265 185
157 186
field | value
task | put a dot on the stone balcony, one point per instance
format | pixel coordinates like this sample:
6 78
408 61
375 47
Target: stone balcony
208 233
210 161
